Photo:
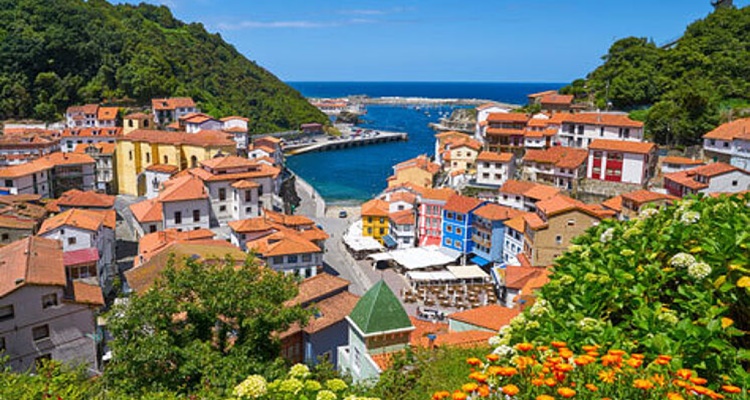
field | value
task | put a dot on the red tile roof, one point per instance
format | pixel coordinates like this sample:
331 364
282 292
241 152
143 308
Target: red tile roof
496 212
172 103
204 138
561 157
512 186
102 147
491 316
615 203
163 168
598 119
228 162
461 204
376 208
108 132
518 277
681 161
182 189
283 243
31 261
421 162
713 169
89 199
622 146
682 178
318 286
556 99
107 113
81 257
403 217
645 196
86 293
505 132
508 117
495 157
91 220
730 130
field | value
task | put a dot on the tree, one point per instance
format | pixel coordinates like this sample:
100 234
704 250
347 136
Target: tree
201 327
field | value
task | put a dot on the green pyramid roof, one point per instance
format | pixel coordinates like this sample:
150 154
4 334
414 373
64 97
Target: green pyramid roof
379 310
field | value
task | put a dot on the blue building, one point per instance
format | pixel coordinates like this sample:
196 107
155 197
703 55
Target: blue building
327 329
458 223
489 233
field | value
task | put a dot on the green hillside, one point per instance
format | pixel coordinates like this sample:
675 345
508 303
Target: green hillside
689 87
56 53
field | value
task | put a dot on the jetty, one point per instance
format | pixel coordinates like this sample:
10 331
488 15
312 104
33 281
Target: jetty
325 143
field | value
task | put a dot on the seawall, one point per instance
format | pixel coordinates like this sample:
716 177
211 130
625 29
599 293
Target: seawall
312 202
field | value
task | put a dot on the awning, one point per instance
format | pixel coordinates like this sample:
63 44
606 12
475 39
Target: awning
480 261
424 257
467 272
389 241
380 257
430 276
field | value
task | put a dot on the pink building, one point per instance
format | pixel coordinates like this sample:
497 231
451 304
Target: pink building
430 214
621 161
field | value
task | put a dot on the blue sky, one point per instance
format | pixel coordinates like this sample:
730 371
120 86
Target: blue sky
435 40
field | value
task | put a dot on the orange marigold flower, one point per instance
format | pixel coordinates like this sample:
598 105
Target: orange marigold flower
470 387
492 357
681 383
592 353
565 353
643 384
634 362
698 381
459 395
544 397
583 360
663 360
484 391
511 390
494 370
658 379
684 374
480 377
537 381
674 396
438 396
559 345
550 382
713 395
637 356
473 361
591 387
508 371
542 348
616 352
700 389
566 392
609 359
523 361
589 347
731 389
524 347
607 376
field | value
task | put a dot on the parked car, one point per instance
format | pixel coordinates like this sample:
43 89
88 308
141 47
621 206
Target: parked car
343 214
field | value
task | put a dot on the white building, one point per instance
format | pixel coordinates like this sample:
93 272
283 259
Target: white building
156 175
91 116
29 178
483 111
166 111
621 161
711 178
580 129
182 204
43 313
562 167
513 244
495 168
522 195
729 143
402 228
88 239
197 122
671 164
238 127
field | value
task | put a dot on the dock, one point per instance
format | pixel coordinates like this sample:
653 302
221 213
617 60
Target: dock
326 143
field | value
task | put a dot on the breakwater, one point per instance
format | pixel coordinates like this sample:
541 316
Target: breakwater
324 143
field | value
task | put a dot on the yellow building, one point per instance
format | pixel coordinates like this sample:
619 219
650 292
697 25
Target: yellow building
141 148
135 121
375 219
419 171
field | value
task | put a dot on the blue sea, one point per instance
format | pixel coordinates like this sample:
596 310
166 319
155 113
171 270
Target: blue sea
360 173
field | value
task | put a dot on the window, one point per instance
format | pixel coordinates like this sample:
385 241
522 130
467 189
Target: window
196 215
382 220
260 190
166 159
49 300
597 154
222 194
597 170
130 123
278 260
291 259
148 157
726 144
734 183
248 195
369 220
5 237
130 155
558 239
369 231
40 332
459 231
382 231
222 208
71 241
459 217
601 131
448 242
449 228
193 161
6 312
177 217
458 243
307 257
571 222
152 228
9 183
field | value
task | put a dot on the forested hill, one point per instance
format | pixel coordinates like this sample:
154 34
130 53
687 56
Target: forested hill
688 88
56 53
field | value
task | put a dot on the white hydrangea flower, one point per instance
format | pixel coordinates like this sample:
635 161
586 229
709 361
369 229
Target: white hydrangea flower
647 213
690 217
494 341
253 387
682 260
299 371
699 270
505 330
539 307
668 316
503 351
518 322
607 235
588 324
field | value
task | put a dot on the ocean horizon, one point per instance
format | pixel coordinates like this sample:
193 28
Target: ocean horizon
359 173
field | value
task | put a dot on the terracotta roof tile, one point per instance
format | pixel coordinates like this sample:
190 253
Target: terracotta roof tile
495 157
464 339
515 187
615 203
138 115
147 211
496 212
505 132
163 168
152 243
183 189
34 261
491 317
681 161
283 243
258 224
318 286
713 169
14 222
107 132
376 208
730 130
228 162
645 196
102 147
90 220
541 94
204 138
508 117
561 157
86 293
541 192
534 221
172 103
81 257
518 277
107 113
403 217
421 162
557 99
682 178
406 197
234 117
245 184
622 146
517 223
462 204
89 199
